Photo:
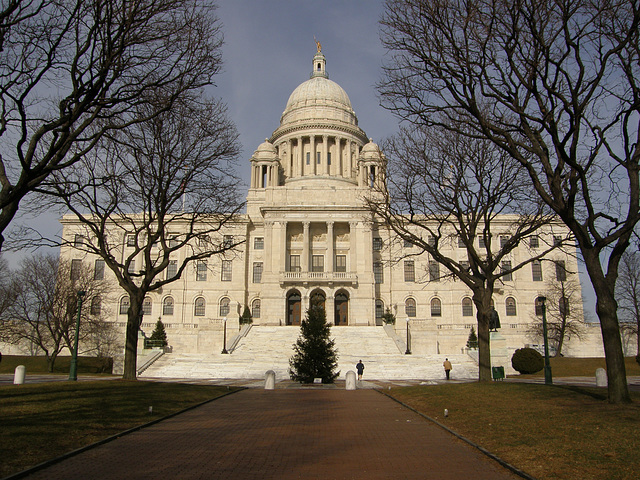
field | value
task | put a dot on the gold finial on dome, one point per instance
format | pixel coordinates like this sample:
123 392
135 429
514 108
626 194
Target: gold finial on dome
318 44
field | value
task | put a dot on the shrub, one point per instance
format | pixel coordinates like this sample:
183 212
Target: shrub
472 341
527 360
246 318
388 317
159 335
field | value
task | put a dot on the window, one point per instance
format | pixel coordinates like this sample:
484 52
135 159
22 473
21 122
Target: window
146 306
431 240
407 243
561 271
317 263
227 241
377 244
167 306
503 240
131 240
341 263
563 306
378 272
255 309
410 307
467 307
96 305
294 263
201 271
224 306
257 272
534 241
172 269
461 242
510 305
329 158
464 265
78 241
226 271
203 240
409 271
536 271
132 267
436 307
174 241
481 242
557 241
506 267
98 270
538 306
76 269
199 307
258 243
318 158
124 305
434 271
379 308
308 158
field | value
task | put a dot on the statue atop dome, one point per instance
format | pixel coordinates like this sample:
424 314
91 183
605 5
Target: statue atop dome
318 44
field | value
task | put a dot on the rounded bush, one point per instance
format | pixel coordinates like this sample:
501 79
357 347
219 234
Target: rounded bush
527 360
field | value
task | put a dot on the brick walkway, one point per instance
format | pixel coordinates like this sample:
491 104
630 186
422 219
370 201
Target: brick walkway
286 434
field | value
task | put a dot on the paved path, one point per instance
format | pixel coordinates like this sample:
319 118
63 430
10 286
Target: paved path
286 434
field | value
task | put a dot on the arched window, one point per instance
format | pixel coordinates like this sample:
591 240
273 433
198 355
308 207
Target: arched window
224 306
255 308
563 306
96 305
124 305
379 308
510 305
467 307
538 306
410 307
146 306
436 307
199 307
167 306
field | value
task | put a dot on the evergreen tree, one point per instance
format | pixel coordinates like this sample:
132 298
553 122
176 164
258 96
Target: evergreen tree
315 355
472 341
246 316
159 334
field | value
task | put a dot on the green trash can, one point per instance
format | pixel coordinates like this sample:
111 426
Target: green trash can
497 373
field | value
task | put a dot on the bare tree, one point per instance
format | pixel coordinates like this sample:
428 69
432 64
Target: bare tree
7 286
564 318
446 189
159 193
44 311
73 70
555 85
628 294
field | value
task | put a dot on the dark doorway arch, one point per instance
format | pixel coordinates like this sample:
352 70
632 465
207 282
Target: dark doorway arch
294 308
341 316
317 299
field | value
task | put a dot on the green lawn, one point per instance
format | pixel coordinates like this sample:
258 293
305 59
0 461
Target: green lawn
583 367
43 421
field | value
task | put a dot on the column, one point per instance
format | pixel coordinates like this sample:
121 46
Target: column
325 150
312 154
304 261
268 248
330 248
353 248
300 157
349 161
290 162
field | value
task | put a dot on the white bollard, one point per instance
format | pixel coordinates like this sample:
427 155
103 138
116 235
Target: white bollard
270 380
601 377
351 380
18 376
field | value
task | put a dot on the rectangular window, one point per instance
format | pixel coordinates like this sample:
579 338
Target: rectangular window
407 243
174 241
201 271
378 273
377 244
503 241
257 272
226 271
203 240
76 268
78 241
561 271
461 242
481 243
132 267
329 158
536 271
434 271
431 240
409 271
294 263
464 264
505 266
131 240
227 241
258 243
317 263
534 241
172 269
308 158
341 263
318 157
98 270
557 241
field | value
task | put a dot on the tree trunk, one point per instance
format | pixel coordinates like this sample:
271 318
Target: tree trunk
482 301
134 319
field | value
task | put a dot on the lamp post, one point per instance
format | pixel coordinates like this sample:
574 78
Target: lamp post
224 341
73 367
548 380
408 352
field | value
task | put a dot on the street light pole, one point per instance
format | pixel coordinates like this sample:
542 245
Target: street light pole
408 352
548 380
73 367
224 341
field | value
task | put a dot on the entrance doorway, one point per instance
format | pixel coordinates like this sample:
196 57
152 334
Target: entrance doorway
342 308
294 308
317 299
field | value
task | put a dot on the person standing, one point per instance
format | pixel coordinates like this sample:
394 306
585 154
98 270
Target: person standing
360 369
447 367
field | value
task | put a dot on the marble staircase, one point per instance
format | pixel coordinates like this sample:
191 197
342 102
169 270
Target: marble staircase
269 348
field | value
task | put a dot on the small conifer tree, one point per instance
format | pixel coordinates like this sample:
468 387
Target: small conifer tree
472 341
159 334
246 316
388 317
315 355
